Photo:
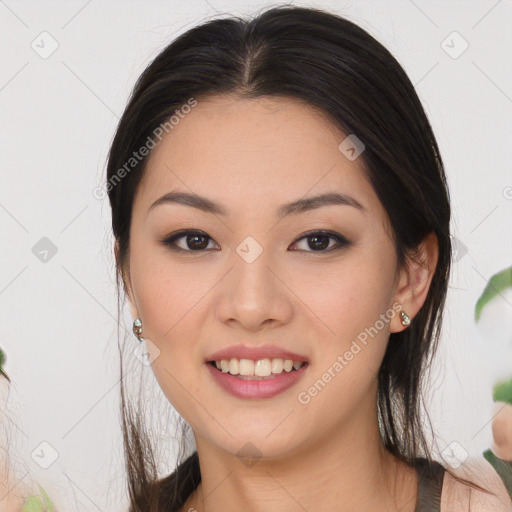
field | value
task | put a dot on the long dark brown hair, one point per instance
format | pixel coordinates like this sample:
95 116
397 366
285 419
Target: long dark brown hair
333 64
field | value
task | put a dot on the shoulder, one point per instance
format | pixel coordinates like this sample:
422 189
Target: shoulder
459 497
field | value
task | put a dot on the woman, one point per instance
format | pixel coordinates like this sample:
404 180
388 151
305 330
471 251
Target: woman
281 222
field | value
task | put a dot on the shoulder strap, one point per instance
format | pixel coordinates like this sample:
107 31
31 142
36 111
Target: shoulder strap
430 485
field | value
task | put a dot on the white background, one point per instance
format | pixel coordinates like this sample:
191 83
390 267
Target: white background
58 319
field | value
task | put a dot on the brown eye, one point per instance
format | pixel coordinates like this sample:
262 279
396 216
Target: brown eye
319 241
194 241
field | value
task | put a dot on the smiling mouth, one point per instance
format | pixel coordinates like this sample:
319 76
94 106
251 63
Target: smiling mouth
294 368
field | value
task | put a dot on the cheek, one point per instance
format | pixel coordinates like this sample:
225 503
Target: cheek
168 293
352 299
343 382
172 299
346 297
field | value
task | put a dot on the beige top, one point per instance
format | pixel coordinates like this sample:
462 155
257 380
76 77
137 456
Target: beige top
457 497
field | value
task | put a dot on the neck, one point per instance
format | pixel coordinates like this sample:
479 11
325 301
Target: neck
346 470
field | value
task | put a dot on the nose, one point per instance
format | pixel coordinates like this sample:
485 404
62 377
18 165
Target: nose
254 295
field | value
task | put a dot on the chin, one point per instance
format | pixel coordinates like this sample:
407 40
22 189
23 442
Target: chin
259 446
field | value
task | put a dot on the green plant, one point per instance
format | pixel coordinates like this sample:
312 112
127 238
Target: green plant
2 361
497 284
502 391
35 504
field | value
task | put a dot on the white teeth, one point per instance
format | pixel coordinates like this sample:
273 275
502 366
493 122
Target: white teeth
262 368
277 365
259 368
233 366
245 366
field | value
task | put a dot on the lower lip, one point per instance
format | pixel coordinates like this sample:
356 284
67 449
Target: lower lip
267 388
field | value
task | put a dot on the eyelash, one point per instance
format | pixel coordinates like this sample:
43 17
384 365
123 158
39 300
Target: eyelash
170 241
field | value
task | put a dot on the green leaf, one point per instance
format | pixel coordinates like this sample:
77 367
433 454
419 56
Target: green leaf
33 504
2 361
503 392
497 283
47 502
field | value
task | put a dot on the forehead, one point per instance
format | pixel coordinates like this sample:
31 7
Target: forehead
264 150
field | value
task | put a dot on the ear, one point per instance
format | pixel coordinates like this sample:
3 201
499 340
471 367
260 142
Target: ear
415 279
126 278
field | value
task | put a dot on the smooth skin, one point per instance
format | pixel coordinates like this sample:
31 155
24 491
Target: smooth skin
251 156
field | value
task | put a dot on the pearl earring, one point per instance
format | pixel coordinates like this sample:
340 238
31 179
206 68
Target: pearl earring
404 318
137 329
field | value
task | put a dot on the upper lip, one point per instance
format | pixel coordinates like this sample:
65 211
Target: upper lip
255 353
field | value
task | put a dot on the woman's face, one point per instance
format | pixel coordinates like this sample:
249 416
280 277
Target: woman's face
253 278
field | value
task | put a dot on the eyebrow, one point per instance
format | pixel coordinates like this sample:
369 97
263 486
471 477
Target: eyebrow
296 207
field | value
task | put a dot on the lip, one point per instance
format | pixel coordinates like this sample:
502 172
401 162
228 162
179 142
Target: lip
255 353
256 389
